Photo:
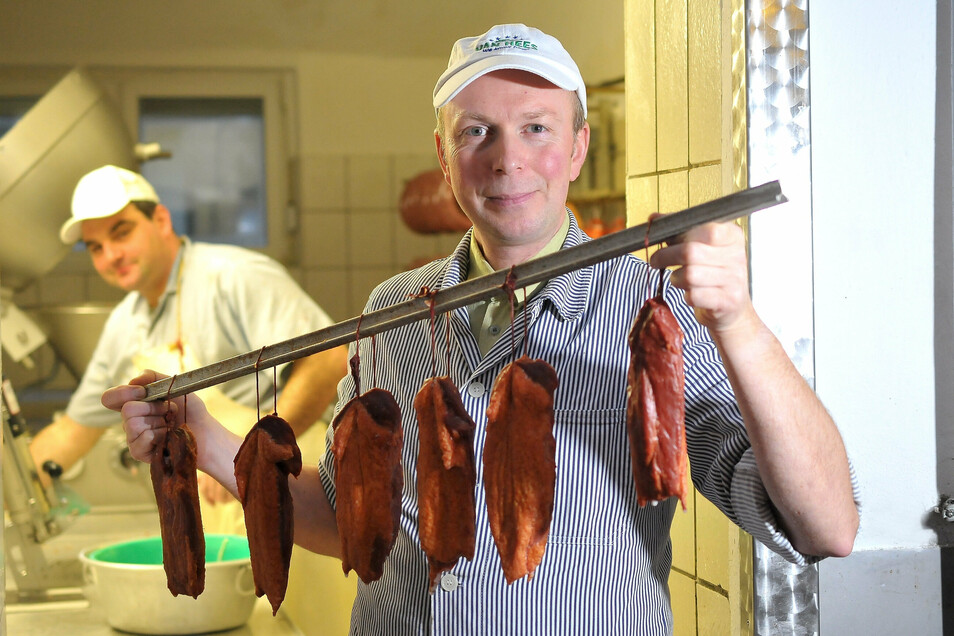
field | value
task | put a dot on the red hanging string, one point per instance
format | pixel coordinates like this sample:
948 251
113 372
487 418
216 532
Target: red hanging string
431 296
447 322
355 361
258 395
508 286
374 361
169 392
526 323
649 224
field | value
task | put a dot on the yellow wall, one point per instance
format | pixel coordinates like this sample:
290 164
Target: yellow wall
682 133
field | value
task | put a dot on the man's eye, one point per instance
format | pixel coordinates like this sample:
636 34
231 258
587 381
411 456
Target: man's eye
475 131
537 128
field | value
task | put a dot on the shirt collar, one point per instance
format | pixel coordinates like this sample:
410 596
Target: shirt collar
568 292
172 281
480 267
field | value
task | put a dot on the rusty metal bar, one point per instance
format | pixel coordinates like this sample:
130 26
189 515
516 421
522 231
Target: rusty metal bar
468 292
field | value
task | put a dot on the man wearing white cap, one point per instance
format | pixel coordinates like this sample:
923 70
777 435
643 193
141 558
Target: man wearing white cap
511 136
188 304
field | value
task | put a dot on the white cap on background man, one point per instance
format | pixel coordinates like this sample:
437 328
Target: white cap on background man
104 192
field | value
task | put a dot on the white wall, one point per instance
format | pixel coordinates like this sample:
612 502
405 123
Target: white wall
873 95
363 120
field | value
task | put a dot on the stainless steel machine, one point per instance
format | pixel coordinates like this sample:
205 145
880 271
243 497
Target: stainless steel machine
71 130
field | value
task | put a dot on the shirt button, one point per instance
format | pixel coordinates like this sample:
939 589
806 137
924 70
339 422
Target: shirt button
475 389
449 582
494 330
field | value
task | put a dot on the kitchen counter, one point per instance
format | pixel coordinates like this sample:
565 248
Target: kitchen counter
78 618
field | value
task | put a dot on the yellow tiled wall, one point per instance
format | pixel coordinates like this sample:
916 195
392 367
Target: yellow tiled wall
682 149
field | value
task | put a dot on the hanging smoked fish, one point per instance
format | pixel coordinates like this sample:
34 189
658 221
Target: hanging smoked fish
173 473
266 458
655 404
367 447
446 476
520 464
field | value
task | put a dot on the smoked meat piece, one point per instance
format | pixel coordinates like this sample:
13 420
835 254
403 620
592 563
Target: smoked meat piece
446 477
520 464
180 522
655 405
262 465
367 447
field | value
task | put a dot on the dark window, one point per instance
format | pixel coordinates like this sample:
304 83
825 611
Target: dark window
214 183
12 109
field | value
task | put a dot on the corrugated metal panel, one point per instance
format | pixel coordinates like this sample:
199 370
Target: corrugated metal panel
779 141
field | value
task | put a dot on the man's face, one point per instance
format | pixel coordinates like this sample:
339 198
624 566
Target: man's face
509 153
128 248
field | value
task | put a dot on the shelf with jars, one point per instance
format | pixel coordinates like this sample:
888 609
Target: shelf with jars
599 214
597 197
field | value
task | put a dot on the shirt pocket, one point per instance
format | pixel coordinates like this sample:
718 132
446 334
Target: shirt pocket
594 499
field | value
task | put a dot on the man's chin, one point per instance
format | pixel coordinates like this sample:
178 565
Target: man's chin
125 284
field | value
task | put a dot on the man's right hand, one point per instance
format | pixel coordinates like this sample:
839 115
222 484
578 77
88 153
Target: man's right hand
143 423
142 420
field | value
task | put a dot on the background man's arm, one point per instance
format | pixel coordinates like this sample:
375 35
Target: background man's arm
65 441
311 387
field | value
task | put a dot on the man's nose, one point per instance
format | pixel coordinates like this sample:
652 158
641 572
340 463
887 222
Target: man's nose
111 252
509 153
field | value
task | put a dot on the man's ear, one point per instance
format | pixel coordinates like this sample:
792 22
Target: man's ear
581 144
162 217
441 157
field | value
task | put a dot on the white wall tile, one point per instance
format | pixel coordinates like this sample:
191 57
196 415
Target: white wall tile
412 247
369 182
363 280
330 289
322 182
324 239
370 238
406 167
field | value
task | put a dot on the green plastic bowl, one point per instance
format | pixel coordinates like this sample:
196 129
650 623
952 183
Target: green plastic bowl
218 547
128 583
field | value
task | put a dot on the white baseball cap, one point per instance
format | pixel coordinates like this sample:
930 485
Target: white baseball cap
101 193
509 46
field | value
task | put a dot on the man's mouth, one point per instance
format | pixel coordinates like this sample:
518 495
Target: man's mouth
510 199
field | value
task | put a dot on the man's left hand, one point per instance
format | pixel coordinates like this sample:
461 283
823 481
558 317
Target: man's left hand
712 269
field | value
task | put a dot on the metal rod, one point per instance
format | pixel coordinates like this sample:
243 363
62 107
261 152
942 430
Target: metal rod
468 292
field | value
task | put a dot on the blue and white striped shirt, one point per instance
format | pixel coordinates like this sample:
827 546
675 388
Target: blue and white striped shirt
607 560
